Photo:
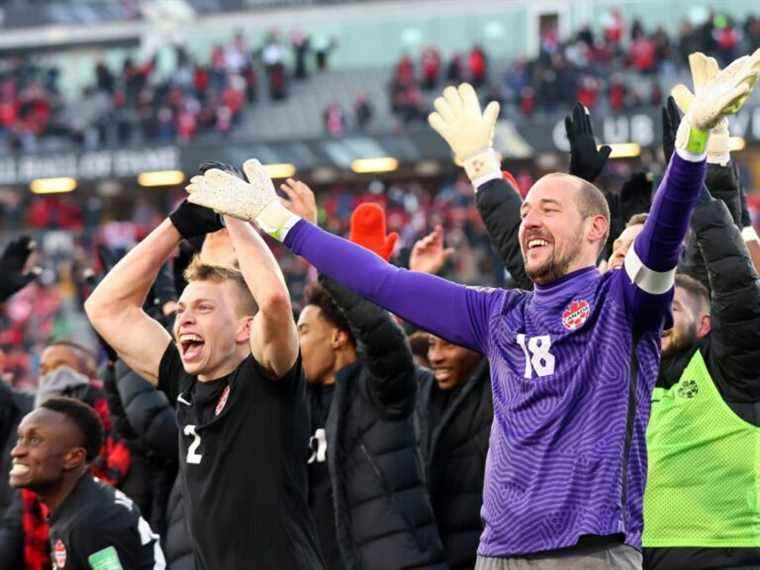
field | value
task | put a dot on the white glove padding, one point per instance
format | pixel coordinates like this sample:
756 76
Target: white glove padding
717 95
703 72
255 200
467 130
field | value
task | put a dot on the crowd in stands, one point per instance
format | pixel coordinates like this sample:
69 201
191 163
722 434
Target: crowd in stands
621 66
137 102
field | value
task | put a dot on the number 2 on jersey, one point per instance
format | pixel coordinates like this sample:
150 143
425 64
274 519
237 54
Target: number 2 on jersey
537 354
192 451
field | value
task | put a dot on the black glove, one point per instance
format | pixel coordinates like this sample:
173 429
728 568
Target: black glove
192 220
585 160
671 118
234 170
12 262
635 195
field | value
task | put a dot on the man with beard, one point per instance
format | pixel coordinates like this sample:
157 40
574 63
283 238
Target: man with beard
91 524
572 364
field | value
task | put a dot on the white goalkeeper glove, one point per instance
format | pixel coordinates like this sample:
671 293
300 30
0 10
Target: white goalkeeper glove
467 130
255 200
717 94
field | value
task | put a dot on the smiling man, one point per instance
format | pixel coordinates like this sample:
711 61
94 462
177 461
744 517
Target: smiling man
234 371
573 363
92 525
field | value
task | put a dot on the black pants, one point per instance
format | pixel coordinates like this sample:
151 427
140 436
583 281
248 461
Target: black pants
701 558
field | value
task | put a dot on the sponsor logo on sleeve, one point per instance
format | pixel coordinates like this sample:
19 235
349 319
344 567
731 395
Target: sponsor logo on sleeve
576 314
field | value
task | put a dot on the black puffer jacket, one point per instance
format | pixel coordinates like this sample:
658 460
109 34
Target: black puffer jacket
133 406
14 405
153 418
723 184
178 544
383 515
455 452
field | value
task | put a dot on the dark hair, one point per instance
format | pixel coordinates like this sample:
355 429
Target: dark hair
637 219
87 358
318 296
419 342
694 288
85 418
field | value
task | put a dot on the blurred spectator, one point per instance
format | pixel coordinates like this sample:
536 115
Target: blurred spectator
334 119
431 67
323 45
477 64
300 42
362 111
454 71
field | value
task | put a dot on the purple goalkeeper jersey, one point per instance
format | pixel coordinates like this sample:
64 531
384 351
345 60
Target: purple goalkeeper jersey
567 452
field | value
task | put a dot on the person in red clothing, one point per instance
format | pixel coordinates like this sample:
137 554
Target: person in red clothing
478 66
431 67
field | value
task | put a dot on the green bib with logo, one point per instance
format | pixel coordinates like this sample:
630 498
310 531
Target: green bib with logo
703 483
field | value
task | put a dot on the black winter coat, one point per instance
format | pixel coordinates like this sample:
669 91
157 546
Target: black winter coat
154 419
14 405
499 205
455 452
383 515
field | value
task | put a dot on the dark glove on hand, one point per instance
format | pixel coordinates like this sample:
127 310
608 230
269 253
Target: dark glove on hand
671 118
12 262
192 220
635 195
585 160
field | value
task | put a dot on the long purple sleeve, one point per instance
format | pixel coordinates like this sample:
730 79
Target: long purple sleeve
457 313
650 264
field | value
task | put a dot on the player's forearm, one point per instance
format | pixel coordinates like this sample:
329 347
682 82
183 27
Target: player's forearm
260 270
659 244
125 287
427 301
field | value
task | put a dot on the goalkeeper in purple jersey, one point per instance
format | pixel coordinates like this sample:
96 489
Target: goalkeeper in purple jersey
572 363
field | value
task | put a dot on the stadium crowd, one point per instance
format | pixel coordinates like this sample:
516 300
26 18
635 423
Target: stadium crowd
620 66
139 102
369 451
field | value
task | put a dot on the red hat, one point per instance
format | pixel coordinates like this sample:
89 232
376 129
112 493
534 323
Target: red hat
368 230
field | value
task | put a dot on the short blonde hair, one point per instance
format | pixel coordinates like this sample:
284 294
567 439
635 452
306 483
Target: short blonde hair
198 270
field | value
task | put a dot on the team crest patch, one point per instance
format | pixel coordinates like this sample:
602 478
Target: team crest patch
688 389
222 400
59 554
575 314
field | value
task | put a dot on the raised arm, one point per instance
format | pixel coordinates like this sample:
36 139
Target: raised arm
274 339
650 264
381 343
457 313
115 307
734 302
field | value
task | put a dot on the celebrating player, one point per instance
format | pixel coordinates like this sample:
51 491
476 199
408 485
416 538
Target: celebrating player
92 524
234 371
573 363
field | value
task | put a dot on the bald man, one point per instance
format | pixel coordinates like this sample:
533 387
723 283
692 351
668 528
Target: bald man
572 363
92 525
